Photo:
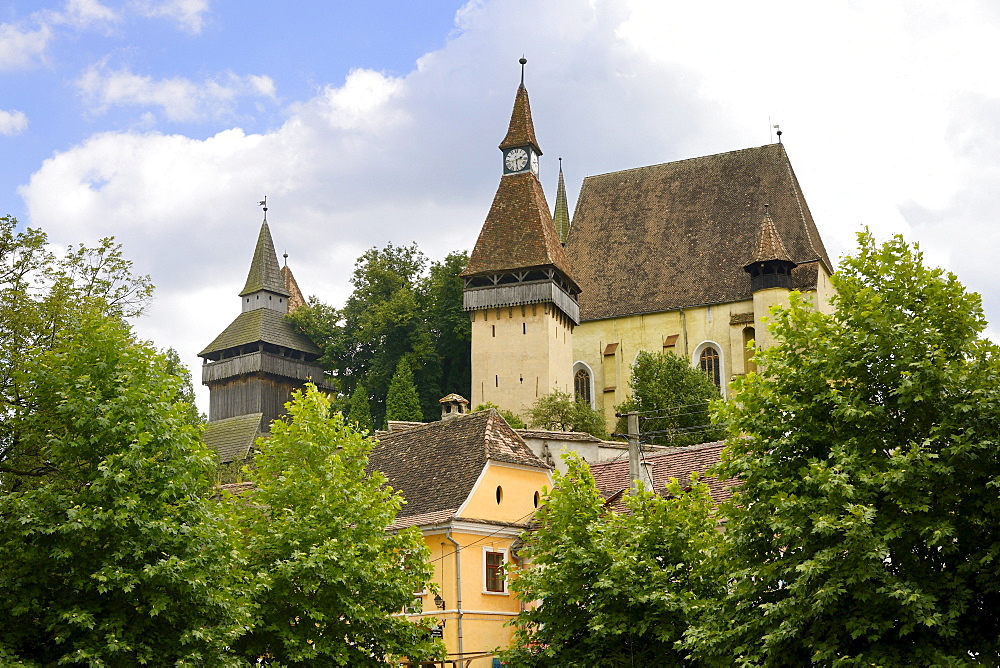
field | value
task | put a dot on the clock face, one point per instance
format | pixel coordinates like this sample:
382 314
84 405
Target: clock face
516 160
534 162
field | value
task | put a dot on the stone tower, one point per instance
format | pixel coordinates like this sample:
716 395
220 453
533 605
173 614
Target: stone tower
770 272
519 289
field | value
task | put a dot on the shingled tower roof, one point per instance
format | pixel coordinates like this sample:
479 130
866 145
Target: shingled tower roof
769 246
264 271
521 131
518 232
561 215
679 234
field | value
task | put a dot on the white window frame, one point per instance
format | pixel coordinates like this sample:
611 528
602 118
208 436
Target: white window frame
583 366
696 363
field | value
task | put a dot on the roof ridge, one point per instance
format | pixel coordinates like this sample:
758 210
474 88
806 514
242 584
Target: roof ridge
682 160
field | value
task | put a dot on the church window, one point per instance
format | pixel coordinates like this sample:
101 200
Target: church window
709 362
581 385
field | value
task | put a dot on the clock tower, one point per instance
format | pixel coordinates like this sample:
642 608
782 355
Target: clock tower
519 289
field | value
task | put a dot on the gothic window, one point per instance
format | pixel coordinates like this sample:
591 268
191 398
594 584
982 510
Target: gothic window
709 362
581 385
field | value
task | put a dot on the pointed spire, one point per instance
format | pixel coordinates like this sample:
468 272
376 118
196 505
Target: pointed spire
521 131
295 298
264 271
561 216
769 244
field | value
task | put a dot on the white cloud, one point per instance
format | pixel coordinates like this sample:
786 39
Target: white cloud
82 14
179 99
188 14
12 122
22 47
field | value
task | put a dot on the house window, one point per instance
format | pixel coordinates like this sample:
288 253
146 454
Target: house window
709 362
581 385
494 575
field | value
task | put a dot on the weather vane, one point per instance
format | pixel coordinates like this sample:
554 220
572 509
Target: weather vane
263 203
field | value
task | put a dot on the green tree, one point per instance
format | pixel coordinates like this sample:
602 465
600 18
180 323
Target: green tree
673 400
402 402
360 412
864 531
400 306
509 416
331 578
185 393
116 553
559 411
616 589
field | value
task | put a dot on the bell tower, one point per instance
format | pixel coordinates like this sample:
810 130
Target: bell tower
519 290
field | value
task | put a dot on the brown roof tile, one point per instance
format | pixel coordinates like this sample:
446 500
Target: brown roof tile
436 465
261 325
769 246
518 232
613 477
295 298
679 234
521 131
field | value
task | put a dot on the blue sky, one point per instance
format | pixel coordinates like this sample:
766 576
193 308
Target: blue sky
163 122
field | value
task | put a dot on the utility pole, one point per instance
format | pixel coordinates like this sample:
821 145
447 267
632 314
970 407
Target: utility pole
634 469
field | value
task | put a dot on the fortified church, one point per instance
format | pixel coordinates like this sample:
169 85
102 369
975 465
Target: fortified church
685 257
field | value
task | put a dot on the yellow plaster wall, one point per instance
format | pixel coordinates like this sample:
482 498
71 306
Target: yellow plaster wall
520 353
518 487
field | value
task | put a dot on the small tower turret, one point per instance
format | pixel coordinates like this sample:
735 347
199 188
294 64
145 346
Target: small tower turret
770 271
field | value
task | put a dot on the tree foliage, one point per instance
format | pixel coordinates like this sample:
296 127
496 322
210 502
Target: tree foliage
115 553
509 416
41 295
330 579
673 400
359 410
401 306
615 588
402 401
559 411
865 529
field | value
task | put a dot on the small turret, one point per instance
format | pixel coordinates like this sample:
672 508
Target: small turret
770 267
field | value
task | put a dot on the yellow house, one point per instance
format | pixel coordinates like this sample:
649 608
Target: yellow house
471 486
686 257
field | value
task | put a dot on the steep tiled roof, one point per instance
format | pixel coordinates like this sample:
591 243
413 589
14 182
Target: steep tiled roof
261 325
264 272
679 234
560 217
769 246
436 465
295 298
518 232
232 438
613 477
521 131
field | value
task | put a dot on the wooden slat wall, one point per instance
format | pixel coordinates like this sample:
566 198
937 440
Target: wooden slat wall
515 294
258 362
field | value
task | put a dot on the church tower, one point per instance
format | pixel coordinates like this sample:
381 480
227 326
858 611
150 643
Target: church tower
770 272
255 363
519 289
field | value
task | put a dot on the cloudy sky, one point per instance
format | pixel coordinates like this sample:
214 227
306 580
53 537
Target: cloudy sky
163 122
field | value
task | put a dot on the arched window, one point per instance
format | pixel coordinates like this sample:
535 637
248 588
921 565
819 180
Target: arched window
709 362
581 385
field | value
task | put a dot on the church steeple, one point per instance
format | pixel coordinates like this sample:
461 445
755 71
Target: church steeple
265 286
561 216
519 289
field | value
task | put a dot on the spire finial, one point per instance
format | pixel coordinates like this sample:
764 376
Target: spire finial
263 203
285 255
560 165
523 61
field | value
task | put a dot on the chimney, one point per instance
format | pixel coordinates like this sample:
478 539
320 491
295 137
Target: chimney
453 405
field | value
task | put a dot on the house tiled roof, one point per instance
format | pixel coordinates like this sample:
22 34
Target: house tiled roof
558 435
436 465
261 325
521 131
679 234
518 232
233 438
264 273
613 477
